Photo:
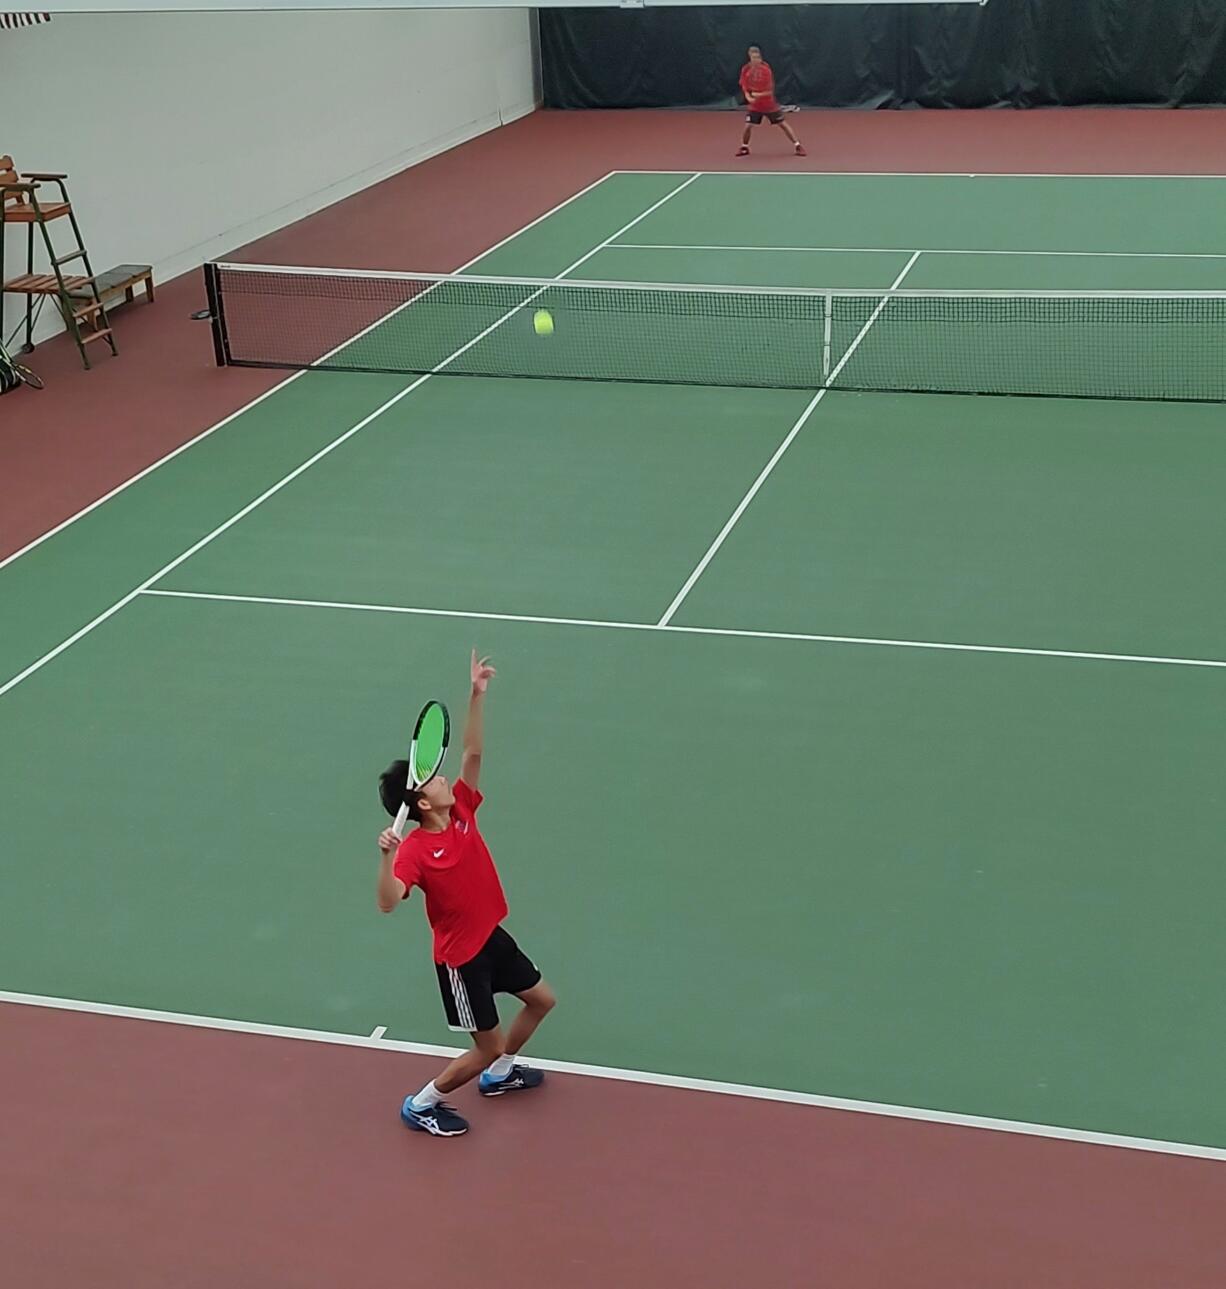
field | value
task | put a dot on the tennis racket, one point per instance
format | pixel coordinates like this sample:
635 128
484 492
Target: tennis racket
426 752
13 373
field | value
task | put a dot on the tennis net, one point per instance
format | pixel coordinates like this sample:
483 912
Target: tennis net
1125 345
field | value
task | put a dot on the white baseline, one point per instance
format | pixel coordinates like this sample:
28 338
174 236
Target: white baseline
916 174
927 250
682 1082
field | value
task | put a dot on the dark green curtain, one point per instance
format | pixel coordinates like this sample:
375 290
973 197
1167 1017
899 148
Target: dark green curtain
1009 53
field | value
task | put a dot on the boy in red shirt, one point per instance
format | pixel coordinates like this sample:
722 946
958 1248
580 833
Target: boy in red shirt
475 958
758 86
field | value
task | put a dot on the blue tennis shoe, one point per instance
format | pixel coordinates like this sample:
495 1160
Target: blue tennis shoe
519 1079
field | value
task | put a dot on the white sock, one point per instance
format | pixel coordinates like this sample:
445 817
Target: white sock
500 1068
427 1098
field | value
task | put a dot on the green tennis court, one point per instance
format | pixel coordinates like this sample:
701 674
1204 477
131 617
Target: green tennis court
873 754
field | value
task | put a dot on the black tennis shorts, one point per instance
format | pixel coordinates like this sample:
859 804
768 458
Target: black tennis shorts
501 967
755 118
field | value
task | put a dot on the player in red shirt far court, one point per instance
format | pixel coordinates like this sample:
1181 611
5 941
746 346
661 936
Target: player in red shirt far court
474 956
758 86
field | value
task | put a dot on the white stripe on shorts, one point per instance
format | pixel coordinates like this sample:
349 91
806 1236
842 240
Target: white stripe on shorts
464 1011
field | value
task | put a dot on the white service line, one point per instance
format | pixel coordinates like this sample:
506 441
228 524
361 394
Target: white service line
280 385
927 250
754 488
625 228
649 1077
318 456
740 633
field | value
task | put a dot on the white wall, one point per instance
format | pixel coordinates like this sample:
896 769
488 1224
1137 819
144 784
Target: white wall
185 135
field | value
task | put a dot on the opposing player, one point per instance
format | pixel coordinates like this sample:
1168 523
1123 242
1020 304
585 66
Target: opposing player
758 86
475 958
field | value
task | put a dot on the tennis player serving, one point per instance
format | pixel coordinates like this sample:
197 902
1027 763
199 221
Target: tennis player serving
758 86
475 958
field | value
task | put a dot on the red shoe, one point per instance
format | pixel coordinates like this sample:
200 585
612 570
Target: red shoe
800 152
742 151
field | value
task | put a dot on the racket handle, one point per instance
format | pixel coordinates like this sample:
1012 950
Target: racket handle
402 820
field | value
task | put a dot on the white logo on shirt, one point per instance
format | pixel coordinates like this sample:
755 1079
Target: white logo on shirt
438 854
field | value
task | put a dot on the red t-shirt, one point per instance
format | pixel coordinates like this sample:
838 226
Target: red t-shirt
757 78
454 868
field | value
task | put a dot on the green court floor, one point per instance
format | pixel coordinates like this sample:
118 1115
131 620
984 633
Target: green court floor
974 881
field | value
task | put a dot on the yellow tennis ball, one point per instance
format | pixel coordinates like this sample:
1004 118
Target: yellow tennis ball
542 322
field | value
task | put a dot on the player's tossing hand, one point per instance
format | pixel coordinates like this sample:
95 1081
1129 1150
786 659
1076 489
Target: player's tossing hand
482 673
388 841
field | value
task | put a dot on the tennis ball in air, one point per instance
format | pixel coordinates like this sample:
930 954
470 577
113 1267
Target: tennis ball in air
542 322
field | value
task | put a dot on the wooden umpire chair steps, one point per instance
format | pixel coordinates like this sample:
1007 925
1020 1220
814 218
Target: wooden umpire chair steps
77 294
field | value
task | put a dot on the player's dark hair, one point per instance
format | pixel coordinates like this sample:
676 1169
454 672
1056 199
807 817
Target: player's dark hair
394 792
754 49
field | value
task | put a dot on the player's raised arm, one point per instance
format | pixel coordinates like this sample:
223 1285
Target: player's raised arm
474 726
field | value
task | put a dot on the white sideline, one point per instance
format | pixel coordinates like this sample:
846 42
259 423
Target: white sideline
246 407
